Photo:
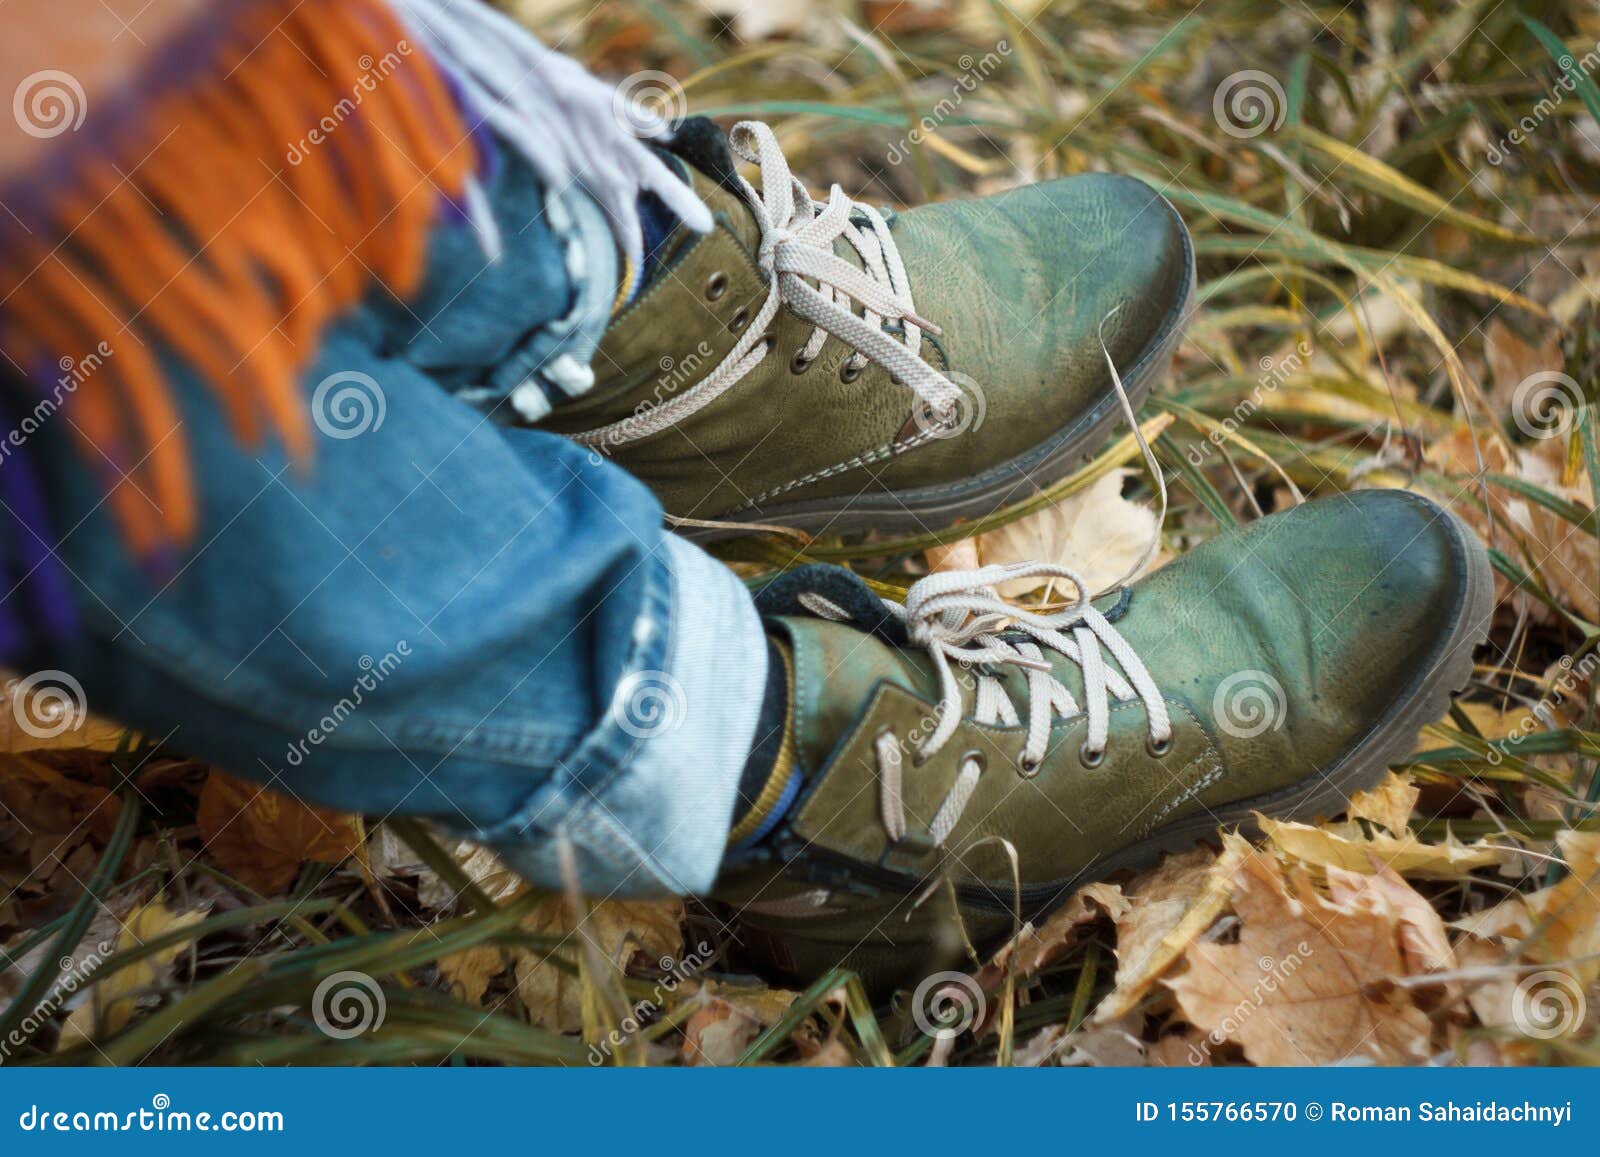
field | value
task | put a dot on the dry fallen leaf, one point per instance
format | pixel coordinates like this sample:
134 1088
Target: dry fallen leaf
1388 805
1168 908
718 1034
1567 564
51 804
1034 949
264 838
469 971
1569 911
1424 943
616 930
1096 532
1307 983
40 712
112 1002
1346 845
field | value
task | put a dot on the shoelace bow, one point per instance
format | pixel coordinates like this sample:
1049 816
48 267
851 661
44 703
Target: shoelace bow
958 617
796 248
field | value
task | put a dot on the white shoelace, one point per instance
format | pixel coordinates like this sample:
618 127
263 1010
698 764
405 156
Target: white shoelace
796 249
958 616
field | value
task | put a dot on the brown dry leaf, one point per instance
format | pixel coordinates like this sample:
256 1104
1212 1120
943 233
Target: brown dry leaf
112 1002
1567 564
1168 909
1492 996
1186 1049
264 838
1110 1044
1307 983
1512 361
1096 532
733 1016
55 807
1346 845
1424 943
1508 921
55 716
718 1034
469 971
1035 949
1569 912
618 930
1388 805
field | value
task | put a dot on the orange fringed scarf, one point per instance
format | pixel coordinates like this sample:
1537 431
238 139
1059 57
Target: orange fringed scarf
256 169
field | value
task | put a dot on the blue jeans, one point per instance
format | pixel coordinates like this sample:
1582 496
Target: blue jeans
443 616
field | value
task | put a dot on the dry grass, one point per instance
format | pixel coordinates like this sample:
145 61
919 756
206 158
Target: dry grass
1391 283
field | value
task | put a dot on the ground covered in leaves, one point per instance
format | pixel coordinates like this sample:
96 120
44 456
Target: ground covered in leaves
1394 210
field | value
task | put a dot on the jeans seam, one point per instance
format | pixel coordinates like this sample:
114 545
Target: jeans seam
605 751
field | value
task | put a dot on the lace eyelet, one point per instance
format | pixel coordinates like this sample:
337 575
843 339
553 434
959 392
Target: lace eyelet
1028 768
766 343
739 320
849 373
1089 758
799 364
1159 749
716 286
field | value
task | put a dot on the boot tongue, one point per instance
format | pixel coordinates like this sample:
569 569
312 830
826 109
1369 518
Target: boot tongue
704 147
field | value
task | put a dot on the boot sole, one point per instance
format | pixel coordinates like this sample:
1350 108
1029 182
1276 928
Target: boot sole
931 508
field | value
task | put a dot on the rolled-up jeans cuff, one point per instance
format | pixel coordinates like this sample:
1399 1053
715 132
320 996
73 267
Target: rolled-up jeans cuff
659 821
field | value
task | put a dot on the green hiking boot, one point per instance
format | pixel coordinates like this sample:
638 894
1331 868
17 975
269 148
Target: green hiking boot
956 739
822 365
